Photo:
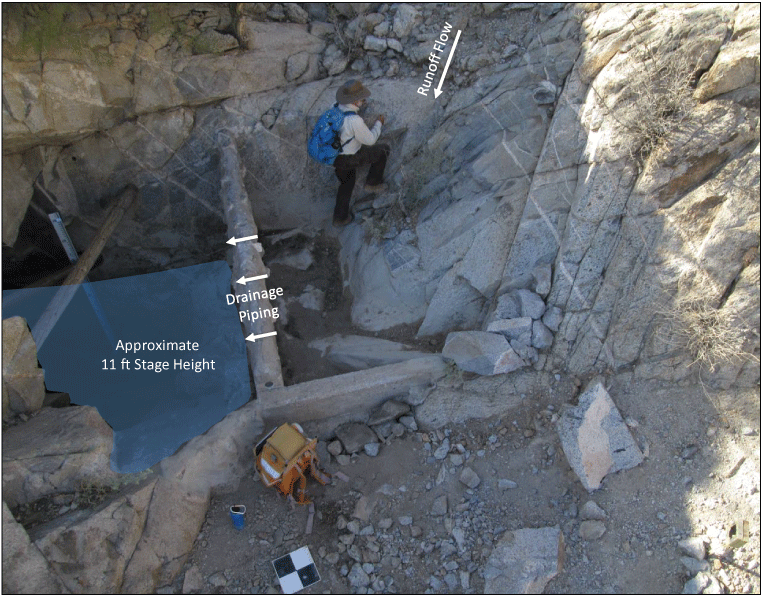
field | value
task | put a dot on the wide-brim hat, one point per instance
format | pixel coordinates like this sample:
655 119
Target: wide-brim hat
352 91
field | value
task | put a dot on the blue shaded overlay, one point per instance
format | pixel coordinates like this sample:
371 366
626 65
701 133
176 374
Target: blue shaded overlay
152 414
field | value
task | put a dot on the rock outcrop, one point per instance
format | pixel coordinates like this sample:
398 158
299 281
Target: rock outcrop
53 452
537 170
23 379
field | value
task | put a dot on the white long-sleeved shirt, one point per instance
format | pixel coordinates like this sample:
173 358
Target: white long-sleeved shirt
354 128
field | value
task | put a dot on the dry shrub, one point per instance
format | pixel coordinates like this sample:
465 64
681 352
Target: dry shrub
713 335
658 97
659 102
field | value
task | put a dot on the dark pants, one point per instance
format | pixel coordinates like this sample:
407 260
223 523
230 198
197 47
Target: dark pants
346 171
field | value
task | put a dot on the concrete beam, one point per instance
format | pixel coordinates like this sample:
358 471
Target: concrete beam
352 394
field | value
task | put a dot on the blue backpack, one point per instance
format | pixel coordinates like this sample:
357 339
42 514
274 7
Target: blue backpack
325 141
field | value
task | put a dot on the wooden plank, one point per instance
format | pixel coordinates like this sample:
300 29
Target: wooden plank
64 295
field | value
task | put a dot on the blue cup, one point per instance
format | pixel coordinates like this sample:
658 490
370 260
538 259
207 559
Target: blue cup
238 515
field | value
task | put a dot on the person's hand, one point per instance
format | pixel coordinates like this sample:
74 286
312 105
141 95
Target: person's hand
381 119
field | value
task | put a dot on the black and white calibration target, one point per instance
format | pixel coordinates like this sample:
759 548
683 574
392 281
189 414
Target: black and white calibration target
296 570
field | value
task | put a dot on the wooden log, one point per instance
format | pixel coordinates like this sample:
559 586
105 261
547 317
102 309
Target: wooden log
64 295
263 355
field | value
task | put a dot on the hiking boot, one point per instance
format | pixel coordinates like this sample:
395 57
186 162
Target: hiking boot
376 188
343 222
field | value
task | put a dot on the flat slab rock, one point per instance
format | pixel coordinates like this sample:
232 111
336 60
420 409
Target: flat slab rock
595 439
354 436
483 353
355 352
389 411
524 561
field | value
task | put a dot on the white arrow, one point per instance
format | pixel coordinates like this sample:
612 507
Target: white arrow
244 280
252 337
232 241
437 91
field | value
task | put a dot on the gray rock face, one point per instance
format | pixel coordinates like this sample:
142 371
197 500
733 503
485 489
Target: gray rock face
25 569
23 379
515 328
541 337
483 353
354 436
531 304
542 280
524 561
507 307
552 318
53 452
595 439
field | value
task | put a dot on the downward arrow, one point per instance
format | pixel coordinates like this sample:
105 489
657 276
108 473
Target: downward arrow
244 280
252 337
232 241
437 91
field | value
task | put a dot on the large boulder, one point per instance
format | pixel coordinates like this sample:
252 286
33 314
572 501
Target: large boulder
89 550
175 516
53 452
218 458
595 439
23 379
483 353
25 569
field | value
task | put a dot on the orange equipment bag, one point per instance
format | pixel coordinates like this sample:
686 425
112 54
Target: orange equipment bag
282 458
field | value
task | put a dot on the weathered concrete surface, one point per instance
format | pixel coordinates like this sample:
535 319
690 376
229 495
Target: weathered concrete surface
524 561
25 569
352 394
595 439
54 451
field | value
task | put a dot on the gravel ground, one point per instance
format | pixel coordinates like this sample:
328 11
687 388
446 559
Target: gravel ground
421 529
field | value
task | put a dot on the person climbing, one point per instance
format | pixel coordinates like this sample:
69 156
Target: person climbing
359 147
